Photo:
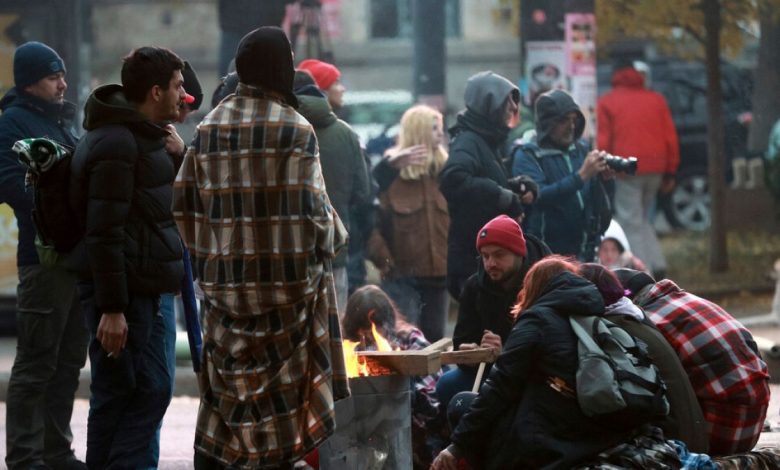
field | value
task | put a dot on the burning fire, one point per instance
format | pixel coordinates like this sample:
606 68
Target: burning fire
356 365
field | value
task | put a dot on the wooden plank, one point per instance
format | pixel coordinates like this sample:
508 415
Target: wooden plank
442 345
469 356
402 362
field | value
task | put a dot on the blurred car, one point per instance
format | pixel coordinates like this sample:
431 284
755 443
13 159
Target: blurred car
684 85
374 115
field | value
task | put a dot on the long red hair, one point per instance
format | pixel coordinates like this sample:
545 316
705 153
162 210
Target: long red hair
537 278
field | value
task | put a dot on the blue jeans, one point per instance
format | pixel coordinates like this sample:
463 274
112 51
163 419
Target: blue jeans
129 393
168 313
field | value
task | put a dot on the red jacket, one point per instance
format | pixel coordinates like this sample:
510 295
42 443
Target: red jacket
635 122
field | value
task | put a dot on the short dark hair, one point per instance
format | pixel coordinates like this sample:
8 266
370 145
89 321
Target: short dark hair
605 280
145 67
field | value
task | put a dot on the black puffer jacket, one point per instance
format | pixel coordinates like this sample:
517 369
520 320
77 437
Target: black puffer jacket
474 180
122 183
485 305
526 414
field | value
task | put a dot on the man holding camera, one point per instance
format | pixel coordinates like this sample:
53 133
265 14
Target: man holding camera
573 208
636 121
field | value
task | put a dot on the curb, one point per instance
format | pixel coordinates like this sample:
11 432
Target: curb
186 382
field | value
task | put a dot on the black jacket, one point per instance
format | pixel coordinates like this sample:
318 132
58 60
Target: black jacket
122 185
526 414
474 179
485 305
26 116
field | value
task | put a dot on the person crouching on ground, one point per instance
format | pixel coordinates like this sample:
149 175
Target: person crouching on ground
527 414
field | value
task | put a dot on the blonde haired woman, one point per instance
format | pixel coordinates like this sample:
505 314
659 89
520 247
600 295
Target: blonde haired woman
409 245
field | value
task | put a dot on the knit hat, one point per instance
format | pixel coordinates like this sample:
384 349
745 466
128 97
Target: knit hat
324 74
192 87
458 406
264 60
633 281
504 232
34 61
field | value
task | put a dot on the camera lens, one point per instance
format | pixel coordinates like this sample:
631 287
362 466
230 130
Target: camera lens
621 165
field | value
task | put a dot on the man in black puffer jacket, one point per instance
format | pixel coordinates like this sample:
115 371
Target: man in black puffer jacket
122 176
474 180
484 318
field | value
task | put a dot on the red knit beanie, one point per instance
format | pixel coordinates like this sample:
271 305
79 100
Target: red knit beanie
504 232
324 74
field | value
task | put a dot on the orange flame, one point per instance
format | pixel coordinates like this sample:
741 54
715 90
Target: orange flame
356 365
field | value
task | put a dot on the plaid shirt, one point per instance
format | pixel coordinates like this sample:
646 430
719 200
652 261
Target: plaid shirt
726 372
251 206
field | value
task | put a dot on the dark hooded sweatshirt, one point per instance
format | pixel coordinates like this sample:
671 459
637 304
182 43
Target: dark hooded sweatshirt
343 167
474 180
25 116
562 215
519 420
121 185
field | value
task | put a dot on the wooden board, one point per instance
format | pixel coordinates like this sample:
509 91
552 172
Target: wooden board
402 362
469 356
442 345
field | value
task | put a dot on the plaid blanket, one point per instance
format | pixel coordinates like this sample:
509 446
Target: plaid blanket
728 376
251 206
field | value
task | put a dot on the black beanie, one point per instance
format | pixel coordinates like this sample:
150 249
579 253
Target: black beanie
458 406
34 61
633 281
192 85
264 59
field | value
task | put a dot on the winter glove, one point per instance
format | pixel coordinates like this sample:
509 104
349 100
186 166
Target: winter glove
523 184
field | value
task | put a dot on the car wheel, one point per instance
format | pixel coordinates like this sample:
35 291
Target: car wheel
688 207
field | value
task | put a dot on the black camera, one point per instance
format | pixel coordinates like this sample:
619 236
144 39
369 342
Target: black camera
621 165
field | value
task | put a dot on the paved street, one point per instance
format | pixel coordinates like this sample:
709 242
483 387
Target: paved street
179 430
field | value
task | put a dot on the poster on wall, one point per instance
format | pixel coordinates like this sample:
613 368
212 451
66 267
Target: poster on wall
580 44
584 92
545 67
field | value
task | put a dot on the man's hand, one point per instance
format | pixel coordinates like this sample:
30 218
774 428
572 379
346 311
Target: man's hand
445 461
401 158
492 341
594 164
112 332
174 144
525 187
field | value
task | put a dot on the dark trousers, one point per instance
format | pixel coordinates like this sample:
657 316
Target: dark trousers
424 301
129 393
51 349
204 462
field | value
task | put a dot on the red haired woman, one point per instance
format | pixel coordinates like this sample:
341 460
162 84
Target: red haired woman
526 414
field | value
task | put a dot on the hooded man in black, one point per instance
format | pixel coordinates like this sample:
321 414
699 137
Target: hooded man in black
121 187
474 180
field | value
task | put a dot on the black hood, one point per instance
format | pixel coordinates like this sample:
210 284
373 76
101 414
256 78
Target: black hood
550 107
107 105
570 294
264 60
15 97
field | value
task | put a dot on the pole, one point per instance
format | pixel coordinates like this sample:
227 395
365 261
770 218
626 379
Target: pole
428 18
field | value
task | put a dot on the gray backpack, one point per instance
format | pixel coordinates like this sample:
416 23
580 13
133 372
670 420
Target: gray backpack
617 381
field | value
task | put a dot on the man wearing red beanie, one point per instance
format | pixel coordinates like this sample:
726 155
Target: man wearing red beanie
489 294
327 78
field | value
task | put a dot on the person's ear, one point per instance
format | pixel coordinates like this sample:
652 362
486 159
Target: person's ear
156 93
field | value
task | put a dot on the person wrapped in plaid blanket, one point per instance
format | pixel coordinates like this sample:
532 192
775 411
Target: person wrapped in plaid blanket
251 206
728 376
